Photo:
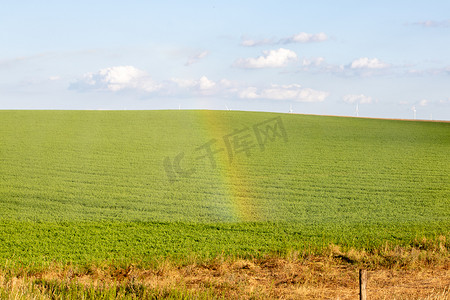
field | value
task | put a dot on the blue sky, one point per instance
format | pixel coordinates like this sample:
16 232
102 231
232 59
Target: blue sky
389 58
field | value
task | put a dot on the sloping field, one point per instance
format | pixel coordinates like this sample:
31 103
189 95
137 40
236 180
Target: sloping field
86 186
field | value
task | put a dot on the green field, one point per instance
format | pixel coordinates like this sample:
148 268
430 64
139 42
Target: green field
88 186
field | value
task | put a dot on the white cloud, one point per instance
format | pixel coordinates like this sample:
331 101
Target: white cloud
304 37
362 67
424 102
249 93
444 101
227 83
195 58
184 83
270 59
301 37
362 99
12 62
206 84
429 71
249 43
430 23
317 61
284 92
203 85
253 43
117 78
120 78
368 63
54 78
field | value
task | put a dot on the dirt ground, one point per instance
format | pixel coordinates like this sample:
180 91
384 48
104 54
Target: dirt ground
271 278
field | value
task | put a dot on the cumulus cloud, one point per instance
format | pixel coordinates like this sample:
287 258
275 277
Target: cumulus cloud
320 65
361 98
195 58
249 93
284 92
270 59
301 37
116 79
430 23
368 63
304 37
120 78
317 61
203 85
359 67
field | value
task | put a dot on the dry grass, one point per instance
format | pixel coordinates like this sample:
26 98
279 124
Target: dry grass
393 273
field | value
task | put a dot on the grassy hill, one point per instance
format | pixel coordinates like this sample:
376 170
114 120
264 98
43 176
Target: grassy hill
136 185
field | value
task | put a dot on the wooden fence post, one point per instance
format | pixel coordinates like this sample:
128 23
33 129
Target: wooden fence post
362 284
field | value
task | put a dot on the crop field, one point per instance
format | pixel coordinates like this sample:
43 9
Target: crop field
136 187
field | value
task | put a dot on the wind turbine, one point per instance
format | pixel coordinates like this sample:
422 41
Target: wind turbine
290 109
227 107
357 110
414 110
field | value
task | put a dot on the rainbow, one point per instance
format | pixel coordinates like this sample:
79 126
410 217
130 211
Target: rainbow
238 188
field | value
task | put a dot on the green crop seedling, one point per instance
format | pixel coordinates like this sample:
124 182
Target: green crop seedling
86 186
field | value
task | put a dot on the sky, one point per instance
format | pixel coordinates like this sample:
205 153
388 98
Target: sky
383 59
